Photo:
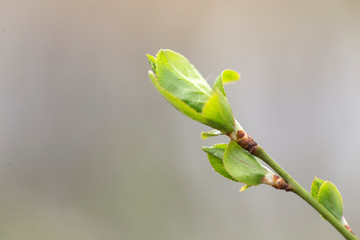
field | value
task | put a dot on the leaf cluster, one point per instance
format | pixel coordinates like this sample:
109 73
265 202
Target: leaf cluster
183 87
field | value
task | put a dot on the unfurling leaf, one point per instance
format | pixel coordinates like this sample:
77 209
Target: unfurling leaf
227 76
315 186
329 196
243 166
212 133
215 155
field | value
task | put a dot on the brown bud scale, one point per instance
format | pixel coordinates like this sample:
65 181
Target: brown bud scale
245 141
281 184
276 182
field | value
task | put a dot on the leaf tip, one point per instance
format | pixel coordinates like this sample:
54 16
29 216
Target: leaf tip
204 135
230 76
206 149
243 188
163 51
212 133
151 75
152 61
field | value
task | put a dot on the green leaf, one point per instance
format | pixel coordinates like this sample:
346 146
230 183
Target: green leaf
330 197
216 150
152 61
212 133
218 113
243 166
179 77
177 103
315 186
215 155
227 76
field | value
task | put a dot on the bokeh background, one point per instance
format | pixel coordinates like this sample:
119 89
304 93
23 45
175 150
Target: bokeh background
90 150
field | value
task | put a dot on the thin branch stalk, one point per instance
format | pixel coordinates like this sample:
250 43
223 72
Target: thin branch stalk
247 142
301 192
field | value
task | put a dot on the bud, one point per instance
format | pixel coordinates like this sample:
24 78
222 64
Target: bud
183 87
328 195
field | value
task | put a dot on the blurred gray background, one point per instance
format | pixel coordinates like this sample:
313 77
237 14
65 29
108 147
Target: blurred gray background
90 150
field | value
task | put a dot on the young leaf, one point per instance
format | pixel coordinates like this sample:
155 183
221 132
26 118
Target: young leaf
315 186
243 166
227 76
177 103
212 133
330 197
215 155
230 76
218 113
180 78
